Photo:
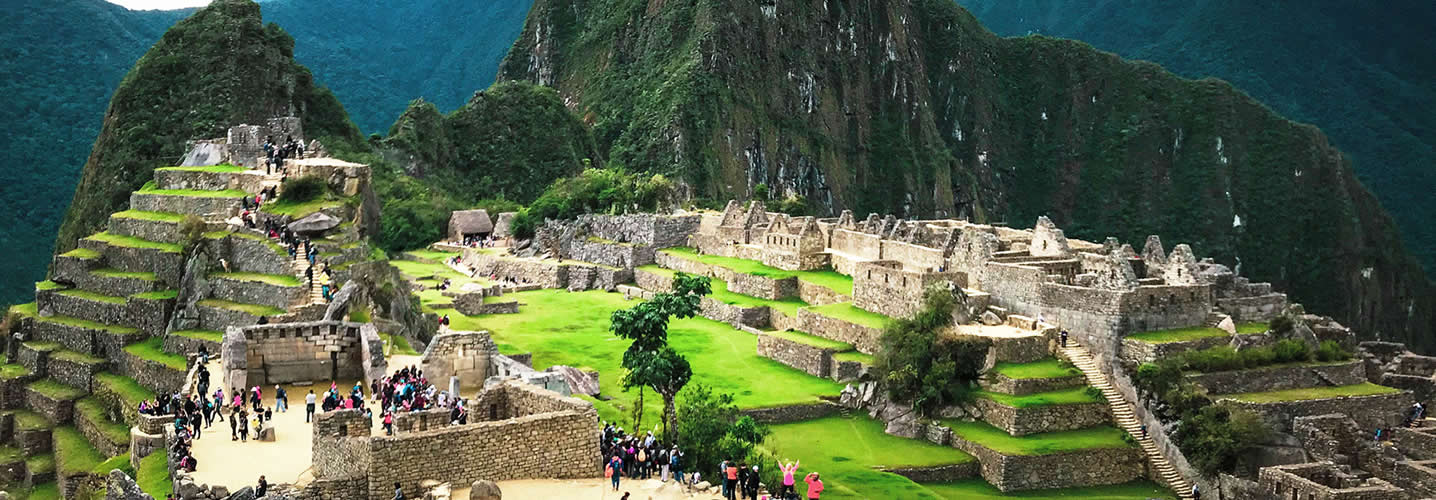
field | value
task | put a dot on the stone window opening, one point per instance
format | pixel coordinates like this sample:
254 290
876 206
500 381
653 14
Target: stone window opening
1152 300
494 411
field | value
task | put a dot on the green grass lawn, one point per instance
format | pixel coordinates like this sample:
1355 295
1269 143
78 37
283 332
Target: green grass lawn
866 359
209 335
433 255
94 410
788 306
252 309
977 489
28 310
846 311
157 295
1075 395
133 242
1362 389
82 253
73 453
415 270
811 340
269 279
571 328
217 169
129 391
116 273
1194 333
149 216
400 345
844 451
121 462
42 345
53 389
299 210
10 455
827 278
1038 444
1047 368
77 357
27 420
151 349
153 475
47 285
9 371
92 296
41 463
194 193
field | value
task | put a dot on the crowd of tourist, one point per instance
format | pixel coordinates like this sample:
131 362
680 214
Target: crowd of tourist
645 456
275 154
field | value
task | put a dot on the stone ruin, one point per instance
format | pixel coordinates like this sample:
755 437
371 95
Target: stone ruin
473 358
286 353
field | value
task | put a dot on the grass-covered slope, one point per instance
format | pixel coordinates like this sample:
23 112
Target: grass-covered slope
915 108
220 67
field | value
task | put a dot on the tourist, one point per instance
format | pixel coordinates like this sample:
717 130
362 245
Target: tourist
677 464
1196 492
262 489
388 423
398 492
614 470
729 473
243 425
204 358
742 482
815 486
1064 338
233 428
788 471
752 485
1144 431
281 399
666 464
218 404
258 398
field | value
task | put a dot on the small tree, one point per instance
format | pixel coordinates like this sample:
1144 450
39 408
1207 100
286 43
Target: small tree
711 428
918 365
649 360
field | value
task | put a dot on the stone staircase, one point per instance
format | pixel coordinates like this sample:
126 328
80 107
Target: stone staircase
316 291
1122 413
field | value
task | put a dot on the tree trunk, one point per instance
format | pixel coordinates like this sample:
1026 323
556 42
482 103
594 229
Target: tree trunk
670 419
638 412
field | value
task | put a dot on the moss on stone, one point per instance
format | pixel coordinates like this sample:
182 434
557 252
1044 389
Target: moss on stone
92 296
53 389
133 242
251 309
152 349
149 216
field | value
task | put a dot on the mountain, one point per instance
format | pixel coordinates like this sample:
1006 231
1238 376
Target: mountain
64 62
1359 72
219 67
914 108
60 65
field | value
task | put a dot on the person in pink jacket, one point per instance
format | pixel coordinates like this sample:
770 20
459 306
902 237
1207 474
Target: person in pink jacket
815 485
788 471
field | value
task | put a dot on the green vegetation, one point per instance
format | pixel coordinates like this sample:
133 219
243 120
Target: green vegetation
92 296
270 279
214 169
251 309
121 462
133 242
10 455
276 247
918 364
361 315
826 278
153 476
29 420
811 340
130 392
1194 333
42 345
1357 390
977 489
157 295
1075 395
1285 351
303 189
1047 368
300 209
564 328
12 371
595 190
846 451
94 410
77 322
433 256
209 335
195 193
400 346
53 389
82 253
152 350
788 306
1215 437
41 463
76 357
116 273
1038 444
150 216
48 285
846 311
855 356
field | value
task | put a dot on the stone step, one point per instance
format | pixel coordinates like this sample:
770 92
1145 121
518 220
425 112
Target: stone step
273 290
112 281
208 205
52 399
213 178
86 305
153 226
132 254
217 314
77 334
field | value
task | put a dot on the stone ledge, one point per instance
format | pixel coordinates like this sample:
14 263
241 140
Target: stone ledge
938 473
1042 418
792 413
812 360
1277 378
1092 467
997 382
1370 412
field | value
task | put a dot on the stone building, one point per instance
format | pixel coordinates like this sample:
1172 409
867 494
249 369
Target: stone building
292 352
464 224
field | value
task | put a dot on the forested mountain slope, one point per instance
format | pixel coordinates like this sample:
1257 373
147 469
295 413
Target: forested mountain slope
1363 72
916 109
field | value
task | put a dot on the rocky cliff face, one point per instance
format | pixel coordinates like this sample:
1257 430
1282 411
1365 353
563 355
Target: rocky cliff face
220 67
913 108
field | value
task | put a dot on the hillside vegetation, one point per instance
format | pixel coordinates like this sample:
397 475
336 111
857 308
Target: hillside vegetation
914 108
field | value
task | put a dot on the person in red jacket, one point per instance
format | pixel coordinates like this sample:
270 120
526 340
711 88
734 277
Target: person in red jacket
815 485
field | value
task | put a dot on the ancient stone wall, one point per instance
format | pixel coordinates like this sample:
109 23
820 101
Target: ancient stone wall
1138 352
809 359
1256 308
459 354
546 274
207 207
610 253
344 178
914 256
167 266
659 231
249 252
290 352
762 286
864 339
1042 418
1370 412
151 374
249 181
254 292
1279 378
997 382
341 445
792 413
72 372
656 282
885 288
1321 481
734 315
1060 470
818 295
855 243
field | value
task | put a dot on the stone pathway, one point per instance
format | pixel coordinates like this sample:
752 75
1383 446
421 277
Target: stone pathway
1127 420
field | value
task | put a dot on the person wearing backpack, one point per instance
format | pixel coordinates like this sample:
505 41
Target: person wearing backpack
614 471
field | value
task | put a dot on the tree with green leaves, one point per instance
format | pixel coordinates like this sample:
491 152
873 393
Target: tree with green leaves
649 360
919 365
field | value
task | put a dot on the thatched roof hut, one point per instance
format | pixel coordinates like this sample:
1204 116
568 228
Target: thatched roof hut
464 223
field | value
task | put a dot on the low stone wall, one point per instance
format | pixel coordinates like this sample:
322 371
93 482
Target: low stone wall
1257 308
1370 412
546 274
167 266
98 438
1415 443
763 287
1278 378
248 252
218 318
652 281
863 338
73 373
249 181
997 382
734 315
149 315
1137 352
1044 418
12 391
146 314
152 230
74 338
33 359
1092 467
610 253
792 413
151 374
819 295
205 207
808 359
58 411
32 441
254 292
844 371
189 345
938 473
1019 349
778 320
113 285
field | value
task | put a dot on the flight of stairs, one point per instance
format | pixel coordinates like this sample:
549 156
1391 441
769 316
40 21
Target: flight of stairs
316 292
1126 419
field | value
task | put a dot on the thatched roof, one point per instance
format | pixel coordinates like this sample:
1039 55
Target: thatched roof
470 222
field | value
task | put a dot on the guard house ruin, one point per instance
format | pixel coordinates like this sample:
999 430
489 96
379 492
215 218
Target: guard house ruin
466 224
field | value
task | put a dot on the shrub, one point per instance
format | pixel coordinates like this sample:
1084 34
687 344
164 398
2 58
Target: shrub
1291 351
1218 438
711 429
760 192
1331 350
919 366
191 232
302 189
